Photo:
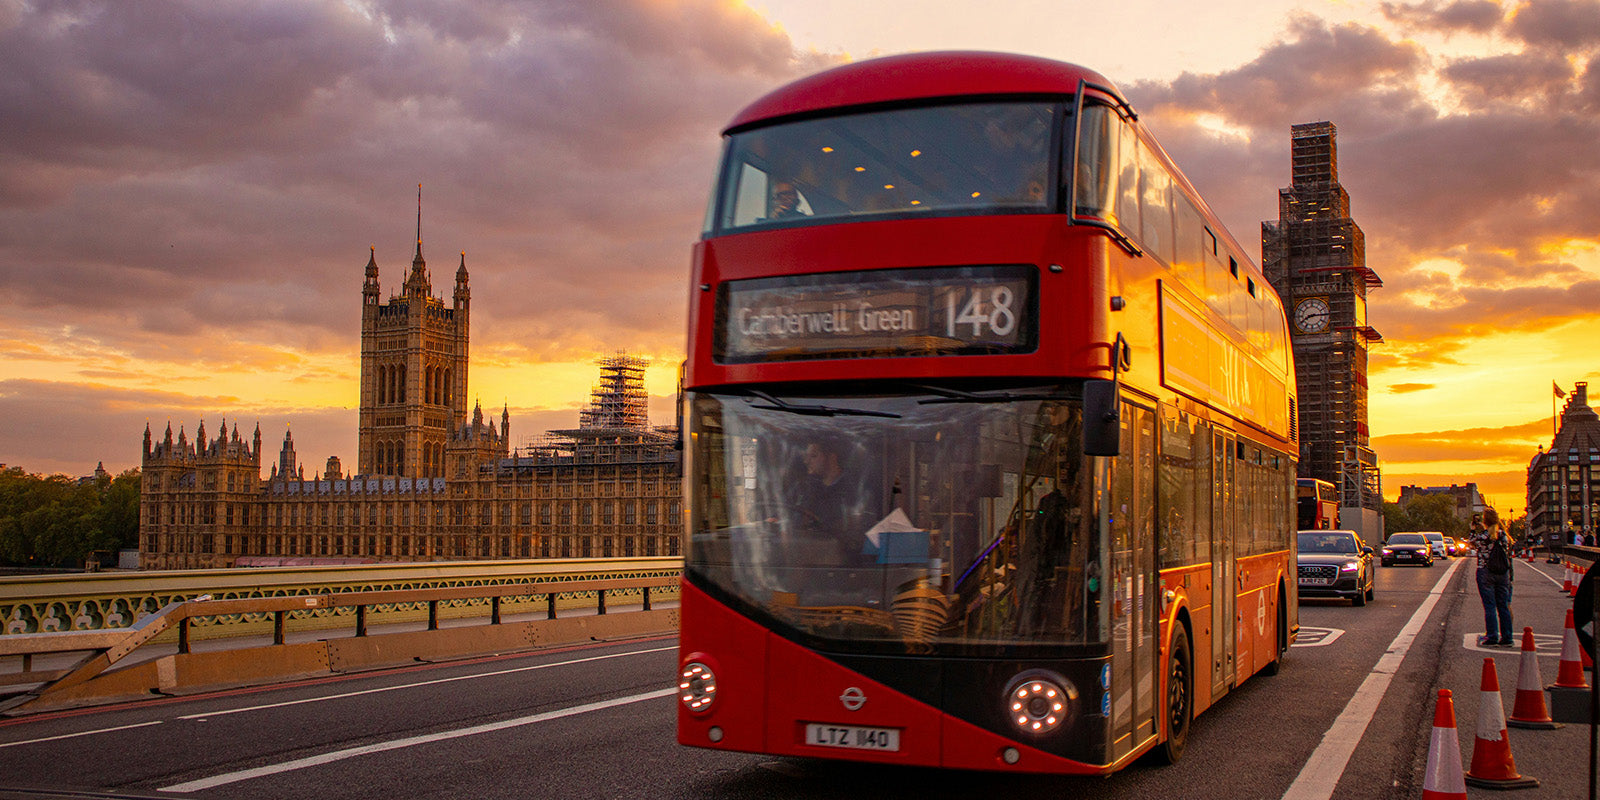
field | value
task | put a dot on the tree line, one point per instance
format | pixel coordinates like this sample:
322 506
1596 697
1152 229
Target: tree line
59 521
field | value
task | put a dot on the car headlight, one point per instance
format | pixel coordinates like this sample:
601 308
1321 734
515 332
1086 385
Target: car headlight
1388 552
1349 566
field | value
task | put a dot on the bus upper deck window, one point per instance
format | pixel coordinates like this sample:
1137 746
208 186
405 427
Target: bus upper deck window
976 158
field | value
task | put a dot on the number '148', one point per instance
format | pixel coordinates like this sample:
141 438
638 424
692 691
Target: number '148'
995 312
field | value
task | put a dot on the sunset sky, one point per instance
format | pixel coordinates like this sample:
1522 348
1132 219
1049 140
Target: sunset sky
189 188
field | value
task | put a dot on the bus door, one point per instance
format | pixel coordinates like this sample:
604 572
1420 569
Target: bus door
1222 583
1134 609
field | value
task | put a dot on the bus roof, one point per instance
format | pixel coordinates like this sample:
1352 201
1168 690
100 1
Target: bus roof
919 76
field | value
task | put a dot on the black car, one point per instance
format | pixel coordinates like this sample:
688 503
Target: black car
1335 564
1408 548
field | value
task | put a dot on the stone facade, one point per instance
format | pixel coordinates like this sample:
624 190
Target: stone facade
1564 480
430 484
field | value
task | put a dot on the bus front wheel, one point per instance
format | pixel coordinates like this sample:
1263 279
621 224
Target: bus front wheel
1180 696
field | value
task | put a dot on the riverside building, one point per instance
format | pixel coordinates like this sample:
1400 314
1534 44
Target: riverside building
431 483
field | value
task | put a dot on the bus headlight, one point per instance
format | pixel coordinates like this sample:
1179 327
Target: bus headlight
1039 701
697 687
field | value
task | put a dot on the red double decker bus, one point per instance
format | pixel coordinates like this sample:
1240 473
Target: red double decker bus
1317 505
989 438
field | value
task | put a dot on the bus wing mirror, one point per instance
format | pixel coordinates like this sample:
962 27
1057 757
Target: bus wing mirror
1102 421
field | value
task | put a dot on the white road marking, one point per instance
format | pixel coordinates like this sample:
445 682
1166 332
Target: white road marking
1321 773
410 741
80 733
209 714
1546 645
1317 637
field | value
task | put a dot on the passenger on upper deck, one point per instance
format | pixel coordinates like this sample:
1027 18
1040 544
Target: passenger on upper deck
785 201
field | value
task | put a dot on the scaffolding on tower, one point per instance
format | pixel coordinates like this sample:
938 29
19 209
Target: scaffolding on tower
615 427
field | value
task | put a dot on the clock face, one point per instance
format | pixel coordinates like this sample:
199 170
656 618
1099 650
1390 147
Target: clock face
1311 315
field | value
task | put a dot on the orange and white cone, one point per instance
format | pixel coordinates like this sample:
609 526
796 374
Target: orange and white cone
1566 578
1529 710
1443 780
1570 676
1492 764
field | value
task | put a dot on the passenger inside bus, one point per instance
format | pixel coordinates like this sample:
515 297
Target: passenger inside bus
785 201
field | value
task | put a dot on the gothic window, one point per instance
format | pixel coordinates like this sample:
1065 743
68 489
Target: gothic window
402 381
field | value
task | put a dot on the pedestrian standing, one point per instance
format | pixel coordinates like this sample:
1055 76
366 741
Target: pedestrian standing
1494 579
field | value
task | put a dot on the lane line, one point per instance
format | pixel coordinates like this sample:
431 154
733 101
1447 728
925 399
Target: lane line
410 741
80 733
422 683
1327 763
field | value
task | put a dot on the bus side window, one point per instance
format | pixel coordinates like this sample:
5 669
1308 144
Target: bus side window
749 202
1190 261
1128 181
1175 490
1155 206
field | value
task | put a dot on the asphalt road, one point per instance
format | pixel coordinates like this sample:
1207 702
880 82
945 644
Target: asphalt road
597 722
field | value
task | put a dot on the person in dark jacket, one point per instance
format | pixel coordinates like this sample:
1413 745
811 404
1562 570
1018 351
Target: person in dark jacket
1493 548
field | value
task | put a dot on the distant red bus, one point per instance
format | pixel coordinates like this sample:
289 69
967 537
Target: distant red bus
988 441
1317 505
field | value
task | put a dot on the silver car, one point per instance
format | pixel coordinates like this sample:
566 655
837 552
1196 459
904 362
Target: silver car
1436 539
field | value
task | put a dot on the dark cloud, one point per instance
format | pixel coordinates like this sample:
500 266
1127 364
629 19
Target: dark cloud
1512 442
1516 78
1474 16
1494 184
1567 24
1408 388
220 168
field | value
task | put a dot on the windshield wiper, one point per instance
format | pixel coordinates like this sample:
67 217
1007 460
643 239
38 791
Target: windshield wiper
947 395
814 410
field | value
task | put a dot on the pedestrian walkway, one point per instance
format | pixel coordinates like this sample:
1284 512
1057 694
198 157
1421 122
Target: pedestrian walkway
1557 757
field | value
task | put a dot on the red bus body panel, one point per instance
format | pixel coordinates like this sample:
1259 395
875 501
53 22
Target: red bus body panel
919 76
758 671
1073 338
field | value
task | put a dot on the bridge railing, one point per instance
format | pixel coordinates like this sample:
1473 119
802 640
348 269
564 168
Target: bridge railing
105 663
51 604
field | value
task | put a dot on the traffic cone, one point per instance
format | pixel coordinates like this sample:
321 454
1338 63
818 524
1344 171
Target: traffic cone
1566 579
1443 780
1570 676
1528 710
1492 764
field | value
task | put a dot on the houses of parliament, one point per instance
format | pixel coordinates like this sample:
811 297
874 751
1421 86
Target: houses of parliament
431 482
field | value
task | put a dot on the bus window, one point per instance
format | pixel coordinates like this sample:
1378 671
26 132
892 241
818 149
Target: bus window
1190 261
1155 206
1175 500
982 157
1128 181
1096 189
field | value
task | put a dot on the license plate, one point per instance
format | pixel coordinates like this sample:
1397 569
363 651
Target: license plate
1315 581
853 737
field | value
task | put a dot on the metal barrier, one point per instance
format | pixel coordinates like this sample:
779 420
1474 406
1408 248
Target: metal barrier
106 648
59 603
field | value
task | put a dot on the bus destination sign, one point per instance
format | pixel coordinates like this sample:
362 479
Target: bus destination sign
884 313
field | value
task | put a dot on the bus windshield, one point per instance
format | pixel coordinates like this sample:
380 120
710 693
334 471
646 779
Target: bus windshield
923 521
977 157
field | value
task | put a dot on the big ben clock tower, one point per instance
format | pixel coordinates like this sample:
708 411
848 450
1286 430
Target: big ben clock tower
1314 255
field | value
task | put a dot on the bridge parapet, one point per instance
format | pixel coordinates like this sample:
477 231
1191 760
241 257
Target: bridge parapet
109 601
92 677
